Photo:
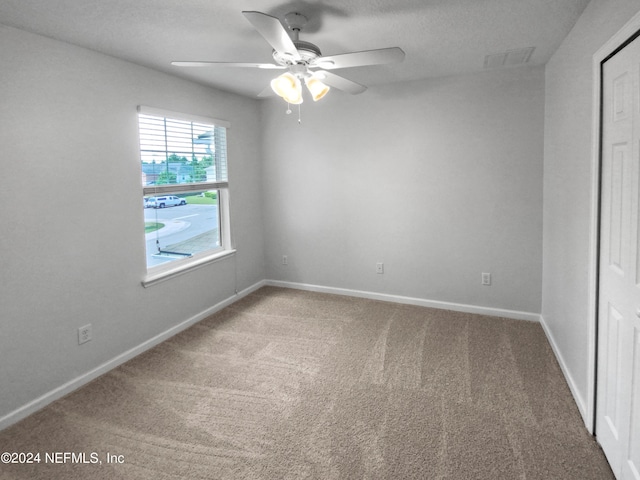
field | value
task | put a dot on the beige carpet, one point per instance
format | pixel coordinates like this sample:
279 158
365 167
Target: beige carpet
286 384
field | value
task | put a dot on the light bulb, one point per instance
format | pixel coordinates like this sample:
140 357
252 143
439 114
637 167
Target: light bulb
316 87
288 87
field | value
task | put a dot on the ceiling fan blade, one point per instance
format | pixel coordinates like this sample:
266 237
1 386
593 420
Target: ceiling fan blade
340 83
269 66
359 59
274 33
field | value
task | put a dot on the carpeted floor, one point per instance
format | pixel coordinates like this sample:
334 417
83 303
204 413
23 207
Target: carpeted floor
287 384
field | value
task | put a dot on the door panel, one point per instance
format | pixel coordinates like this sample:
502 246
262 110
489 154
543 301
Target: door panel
618 229
614 319
633 452
621 93
618 389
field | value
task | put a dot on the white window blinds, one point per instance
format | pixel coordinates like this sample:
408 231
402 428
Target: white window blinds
180 152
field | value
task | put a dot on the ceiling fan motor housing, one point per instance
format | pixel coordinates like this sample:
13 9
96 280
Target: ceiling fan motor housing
307 50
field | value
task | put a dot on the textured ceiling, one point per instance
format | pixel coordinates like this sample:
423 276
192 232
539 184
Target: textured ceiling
440 37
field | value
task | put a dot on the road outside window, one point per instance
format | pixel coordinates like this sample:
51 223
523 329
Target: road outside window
178 227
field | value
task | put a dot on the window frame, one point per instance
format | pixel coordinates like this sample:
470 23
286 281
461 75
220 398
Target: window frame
162 272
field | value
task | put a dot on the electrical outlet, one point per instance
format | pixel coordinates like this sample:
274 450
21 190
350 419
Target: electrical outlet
379 267
285 260
84 334
486 279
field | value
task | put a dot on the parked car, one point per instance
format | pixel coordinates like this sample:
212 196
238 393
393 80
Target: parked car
166 201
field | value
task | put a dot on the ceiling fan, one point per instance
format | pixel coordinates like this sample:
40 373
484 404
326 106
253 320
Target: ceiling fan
303 60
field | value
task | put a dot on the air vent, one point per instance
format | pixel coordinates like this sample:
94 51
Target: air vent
508 58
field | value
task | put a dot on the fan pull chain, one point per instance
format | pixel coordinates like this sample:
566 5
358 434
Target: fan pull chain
288 112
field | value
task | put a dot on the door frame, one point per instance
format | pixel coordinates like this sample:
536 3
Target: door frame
629 32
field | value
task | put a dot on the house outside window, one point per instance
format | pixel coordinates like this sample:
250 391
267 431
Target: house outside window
185 184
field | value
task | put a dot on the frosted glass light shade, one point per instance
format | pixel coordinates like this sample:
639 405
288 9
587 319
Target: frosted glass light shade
288 87
317 88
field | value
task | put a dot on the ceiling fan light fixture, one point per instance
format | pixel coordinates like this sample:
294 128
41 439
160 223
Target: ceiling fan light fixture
288 87
316 87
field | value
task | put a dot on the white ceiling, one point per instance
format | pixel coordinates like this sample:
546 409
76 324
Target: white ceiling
440 37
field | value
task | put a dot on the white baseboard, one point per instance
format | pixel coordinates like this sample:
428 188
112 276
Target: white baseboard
580 402
85 378
457 307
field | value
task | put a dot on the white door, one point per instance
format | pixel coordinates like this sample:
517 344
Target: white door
618 385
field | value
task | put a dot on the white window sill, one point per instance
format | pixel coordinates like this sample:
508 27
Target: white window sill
174 270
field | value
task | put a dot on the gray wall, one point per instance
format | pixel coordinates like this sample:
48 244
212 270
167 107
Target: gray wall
72 244
568 187
441 180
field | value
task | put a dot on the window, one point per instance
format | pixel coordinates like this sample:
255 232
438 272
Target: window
184 181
